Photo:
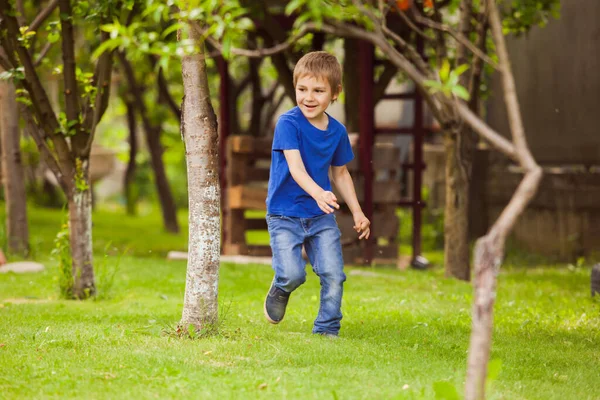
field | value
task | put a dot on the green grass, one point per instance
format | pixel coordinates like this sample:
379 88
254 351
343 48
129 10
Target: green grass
400 328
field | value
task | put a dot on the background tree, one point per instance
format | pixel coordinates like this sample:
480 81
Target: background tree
17 228
64 138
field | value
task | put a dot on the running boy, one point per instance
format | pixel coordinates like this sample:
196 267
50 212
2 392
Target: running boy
300 205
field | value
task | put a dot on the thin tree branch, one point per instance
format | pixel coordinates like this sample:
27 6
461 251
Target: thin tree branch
389 72
35 132
259 53
239 88
102 78
458 37
42 54
71 89
6 65
165 95
41 17
487 133
271 92
510 93
20 5
410 23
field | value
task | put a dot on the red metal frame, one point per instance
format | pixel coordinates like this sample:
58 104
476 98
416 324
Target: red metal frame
366 140
224 130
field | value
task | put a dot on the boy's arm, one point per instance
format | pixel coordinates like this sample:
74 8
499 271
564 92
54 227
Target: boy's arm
326 200
343 182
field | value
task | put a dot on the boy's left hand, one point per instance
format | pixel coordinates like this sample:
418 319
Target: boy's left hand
362 225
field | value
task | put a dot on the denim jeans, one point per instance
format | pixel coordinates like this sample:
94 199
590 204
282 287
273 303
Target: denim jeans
321 238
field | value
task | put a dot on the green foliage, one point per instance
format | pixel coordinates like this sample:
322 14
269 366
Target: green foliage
26 36
522 15
81 183
15 75
448 81
62 254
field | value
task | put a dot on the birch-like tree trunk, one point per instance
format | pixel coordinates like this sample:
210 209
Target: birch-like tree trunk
14 177
199 132
489 250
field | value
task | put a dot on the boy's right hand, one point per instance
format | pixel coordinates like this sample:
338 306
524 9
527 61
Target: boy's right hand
327 202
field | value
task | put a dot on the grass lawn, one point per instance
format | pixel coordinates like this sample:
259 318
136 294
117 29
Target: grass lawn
402 331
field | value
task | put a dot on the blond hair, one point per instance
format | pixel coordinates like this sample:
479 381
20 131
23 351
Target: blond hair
320 64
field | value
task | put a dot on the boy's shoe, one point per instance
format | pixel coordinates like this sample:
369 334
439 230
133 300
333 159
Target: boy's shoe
328 335
275 304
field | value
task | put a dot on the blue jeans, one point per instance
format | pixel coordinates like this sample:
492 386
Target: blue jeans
321 238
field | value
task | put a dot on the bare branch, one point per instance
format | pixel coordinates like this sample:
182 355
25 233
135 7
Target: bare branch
410 23
510 93
165 95
38 136
259 53
42 54
458 37
20 5
6 65
389 71
487 133
41 17
71 89
239 88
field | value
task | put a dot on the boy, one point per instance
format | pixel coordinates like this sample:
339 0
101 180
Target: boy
300 204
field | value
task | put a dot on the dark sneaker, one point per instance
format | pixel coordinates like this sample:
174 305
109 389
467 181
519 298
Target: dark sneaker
275 304
328 335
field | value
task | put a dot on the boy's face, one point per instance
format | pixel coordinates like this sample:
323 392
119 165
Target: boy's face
313 96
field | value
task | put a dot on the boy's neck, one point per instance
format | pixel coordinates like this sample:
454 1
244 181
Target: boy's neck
320 122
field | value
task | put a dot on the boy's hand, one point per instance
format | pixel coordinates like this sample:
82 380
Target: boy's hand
327 202
362 225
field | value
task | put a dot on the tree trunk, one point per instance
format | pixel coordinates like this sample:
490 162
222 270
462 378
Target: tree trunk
459 161
199 131
459 147
130 195
14 177
165 196
80 233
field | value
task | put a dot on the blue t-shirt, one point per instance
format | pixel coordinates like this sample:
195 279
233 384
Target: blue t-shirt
319 150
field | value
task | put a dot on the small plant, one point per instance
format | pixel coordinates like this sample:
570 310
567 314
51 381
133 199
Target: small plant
448 81
105 274
62 253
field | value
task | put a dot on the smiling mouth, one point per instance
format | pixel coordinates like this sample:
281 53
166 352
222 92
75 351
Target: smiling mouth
310 107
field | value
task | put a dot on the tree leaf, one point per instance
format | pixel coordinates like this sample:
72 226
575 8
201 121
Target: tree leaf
461 92
445 70
461 69
293 6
